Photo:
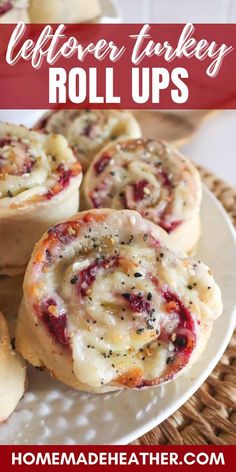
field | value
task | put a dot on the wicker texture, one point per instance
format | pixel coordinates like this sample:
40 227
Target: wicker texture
209 416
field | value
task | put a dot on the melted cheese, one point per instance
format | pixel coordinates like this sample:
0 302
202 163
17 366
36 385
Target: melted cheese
111 338
44 153
172 191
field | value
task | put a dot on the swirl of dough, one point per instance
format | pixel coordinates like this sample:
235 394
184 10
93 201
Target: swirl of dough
39 185
12 374
108 305
152 178
88 131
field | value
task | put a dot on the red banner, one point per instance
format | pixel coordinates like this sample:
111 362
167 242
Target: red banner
220 458
118 66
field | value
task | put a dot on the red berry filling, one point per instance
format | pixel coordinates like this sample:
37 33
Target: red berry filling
5 141
102 163
63 232
165 178
186 320
19 162
42 123
65 175
88 130
63 182
56 325
97 195
185 338
86 277
5 7
138 190
169 227
95 201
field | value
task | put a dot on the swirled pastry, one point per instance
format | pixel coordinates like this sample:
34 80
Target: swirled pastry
12 374
88 131
107 305
152 178
61 11
12 11
39 185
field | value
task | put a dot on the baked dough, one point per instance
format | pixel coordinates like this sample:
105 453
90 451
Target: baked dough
13 11
12 374
152 178
64 11
39 185
113 306
88 131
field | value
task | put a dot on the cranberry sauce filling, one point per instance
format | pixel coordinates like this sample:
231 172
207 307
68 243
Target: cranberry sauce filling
5 141
86 277
65 175
20 162
95 201
138 190
165 178
184 337
64 232
136 193
186 323
102 163
55 324
169 227
96 195
42 124
186 320
88 130
63 182
5 7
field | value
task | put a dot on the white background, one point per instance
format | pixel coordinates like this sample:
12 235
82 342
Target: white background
214 145
177 11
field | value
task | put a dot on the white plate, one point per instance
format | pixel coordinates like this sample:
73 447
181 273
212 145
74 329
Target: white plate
51 413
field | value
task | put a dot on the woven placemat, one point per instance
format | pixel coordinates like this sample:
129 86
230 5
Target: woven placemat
209 417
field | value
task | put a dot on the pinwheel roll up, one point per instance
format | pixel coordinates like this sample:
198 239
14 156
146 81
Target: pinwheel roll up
61 11
107 305
39 185
12 374
12 11
88 131
152 178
